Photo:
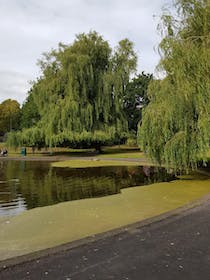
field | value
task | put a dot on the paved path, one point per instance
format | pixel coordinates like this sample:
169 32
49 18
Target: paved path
176 248
63 158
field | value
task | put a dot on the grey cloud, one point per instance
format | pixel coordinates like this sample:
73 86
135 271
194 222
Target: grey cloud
13 85
30 27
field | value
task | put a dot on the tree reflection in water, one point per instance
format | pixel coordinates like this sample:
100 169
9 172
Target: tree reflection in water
29 184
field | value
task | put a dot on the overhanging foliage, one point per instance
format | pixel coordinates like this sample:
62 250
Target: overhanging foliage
176 124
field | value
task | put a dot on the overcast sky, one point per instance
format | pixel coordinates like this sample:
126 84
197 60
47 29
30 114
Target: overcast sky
30 27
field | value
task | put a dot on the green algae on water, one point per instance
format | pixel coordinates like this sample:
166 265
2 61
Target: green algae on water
45 227
93 163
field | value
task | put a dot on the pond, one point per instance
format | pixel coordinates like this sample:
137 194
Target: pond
29 184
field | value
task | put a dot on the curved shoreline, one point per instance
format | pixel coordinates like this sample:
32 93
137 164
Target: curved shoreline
65 158
60 158
91 238
162 218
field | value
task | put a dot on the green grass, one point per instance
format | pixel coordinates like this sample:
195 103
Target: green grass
46 152
118 152
122 151
134 155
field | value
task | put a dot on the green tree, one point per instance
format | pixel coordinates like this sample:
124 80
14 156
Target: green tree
29 113
9 116
135 99
175 128
124 63
79 94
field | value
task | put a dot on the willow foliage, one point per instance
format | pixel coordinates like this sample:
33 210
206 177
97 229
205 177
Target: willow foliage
176 124
79 93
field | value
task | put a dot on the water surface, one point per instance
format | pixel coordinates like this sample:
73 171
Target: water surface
29 184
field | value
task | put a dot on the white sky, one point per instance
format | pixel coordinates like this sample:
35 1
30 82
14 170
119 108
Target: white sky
30 27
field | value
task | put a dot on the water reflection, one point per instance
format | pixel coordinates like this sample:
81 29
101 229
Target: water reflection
25 185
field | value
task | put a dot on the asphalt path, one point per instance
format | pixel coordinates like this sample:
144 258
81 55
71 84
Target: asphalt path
177 247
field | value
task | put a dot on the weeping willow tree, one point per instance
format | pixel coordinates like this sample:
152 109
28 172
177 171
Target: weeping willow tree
79 94
176 124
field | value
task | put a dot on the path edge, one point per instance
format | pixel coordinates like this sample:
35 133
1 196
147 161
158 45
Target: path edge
180 211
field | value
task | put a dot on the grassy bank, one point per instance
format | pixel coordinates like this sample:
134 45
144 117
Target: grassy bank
133 154
121 151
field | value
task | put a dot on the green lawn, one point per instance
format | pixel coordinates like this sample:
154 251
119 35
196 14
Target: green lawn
133 154
119 151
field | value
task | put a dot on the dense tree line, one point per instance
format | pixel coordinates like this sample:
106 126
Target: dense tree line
175 128
10 114
83 95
